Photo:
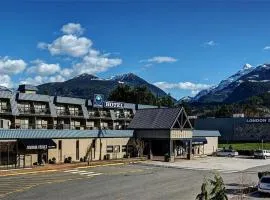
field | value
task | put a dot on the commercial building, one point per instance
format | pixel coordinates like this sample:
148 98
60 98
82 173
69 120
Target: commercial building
168 130
237 129
38 128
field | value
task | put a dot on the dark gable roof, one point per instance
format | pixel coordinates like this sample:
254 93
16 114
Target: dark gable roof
155 118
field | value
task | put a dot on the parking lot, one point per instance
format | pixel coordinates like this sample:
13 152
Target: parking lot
221 164
133 181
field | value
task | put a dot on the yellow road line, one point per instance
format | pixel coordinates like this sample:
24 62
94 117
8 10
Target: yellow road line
23 173
104 165
23 189
56 170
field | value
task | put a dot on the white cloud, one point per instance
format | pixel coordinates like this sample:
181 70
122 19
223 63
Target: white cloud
95 62
5 81
182 85
194 92
86 59
72 28
66 72
42 45
160 59
37 80
70 45
57 78
211 43
9 66
43 69
266 48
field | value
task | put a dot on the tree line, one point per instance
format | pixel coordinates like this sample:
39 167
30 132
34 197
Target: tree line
139 95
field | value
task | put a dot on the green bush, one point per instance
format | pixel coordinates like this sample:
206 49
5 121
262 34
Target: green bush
68 160
166 157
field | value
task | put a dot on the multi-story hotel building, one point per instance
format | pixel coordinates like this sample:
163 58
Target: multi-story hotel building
37 128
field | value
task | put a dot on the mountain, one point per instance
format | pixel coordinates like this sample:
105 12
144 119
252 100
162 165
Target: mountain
247 82
2 88
185 99
86 85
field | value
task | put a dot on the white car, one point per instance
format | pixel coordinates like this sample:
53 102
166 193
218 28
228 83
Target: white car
262 154
264 184
227 152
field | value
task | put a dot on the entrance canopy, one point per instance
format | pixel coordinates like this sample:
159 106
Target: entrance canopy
34 144
201 140
162 123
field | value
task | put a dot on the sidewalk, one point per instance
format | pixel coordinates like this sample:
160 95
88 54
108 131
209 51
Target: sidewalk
65 166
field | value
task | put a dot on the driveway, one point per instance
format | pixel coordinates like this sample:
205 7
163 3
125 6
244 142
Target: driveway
221 164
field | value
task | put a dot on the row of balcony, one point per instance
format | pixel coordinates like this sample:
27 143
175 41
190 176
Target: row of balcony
92 114
69 126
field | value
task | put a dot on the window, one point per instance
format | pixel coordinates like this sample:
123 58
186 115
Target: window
24 107
24 123
90 125
40 108
61 110
116 148
117 114
75 124
109 149
124 148
73 111
41 124
3 106
77 150
91 113
126 114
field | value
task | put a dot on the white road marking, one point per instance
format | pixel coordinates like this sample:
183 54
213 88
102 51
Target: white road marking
87 173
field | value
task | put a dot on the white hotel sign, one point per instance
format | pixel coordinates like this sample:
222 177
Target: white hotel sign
111 104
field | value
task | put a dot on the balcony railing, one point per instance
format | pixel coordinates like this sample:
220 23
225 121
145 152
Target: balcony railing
99 114
37 111
124 116
5 109
66 126
69 113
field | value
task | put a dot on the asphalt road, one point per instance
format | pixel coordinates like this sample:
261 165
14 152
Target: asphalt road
117 182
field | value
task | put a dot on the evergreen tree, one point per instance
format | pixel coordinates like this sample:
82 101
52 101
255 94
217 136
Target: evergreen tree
218 191
204 193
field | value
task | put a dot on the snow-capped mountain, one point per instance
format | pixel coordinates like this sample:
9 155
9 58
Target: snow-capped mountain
238 86
185 99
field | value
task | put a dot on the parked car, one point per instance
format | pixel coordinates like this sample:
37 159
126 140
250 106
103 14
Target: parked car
264 184
227 152
262 154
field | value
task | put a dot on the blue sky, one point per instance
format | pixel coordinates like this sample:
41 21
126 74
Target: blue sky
182 46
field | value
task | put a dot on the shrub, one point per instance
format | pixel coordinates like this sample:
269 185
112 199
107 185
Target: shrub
166 157
68 160
127 155
81 160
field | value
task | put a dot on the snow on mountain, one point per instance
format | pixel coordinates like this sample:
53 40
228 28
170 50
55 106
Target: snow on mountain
185 99
247 68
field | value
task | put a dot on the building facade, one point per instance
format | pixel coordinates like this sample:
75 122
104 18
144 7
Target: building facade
38 128
238 129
